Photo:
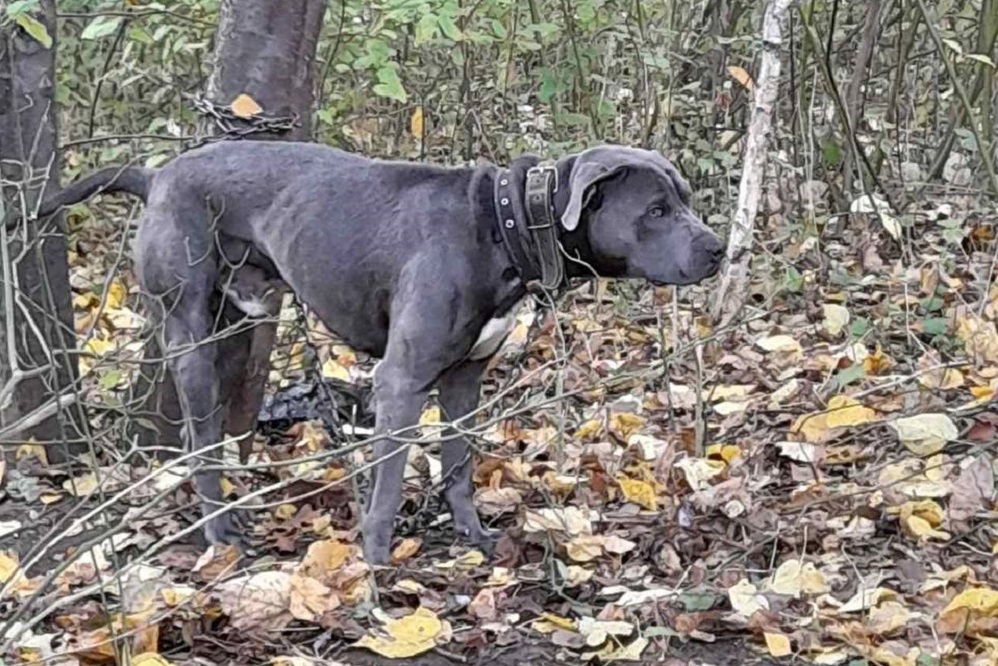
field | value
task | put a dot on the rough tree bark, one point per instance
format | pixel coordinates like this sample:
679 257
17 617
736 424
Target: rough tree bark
37 369
730 296
264 49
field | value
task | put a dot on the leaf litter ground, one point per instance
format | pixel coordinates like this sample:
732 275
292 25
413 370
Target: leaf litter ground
813 485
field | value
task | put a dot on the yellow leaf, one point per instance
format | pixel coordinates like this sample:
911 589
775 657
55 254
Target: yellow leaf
285 511
980 600
980 338
430 417
405 550
934 377
149 659
332 369
406 637
726 452
836 318
842 411
888 617
968 610
589 430
32 450
921 530
638 492
625 424
743 77
245 106
228 488
175 596
558 621
794 577
416 123
8 568
116 294
778 644
928 510
845 411
81 486
324 557
614 651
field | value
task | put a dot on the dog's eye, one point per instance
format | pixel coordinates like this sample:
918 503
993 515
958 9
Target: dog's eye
656 211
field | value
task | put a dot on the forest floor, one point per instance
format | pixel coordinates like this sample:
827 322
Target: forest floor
814 484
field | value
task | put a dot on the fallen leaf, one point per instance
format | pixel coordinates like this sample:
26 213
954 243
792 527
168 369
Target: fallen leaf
866 599
616 652
324 558
778 343
406 549
405 637
244 106
416 123
257 602
149 659
638 492
843 411
777 644
793 578
309 598
925 434
571 520
745 598
836 318
743 77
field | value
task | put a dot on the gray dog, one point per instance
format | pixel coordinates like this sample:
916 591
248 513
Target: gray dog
419 265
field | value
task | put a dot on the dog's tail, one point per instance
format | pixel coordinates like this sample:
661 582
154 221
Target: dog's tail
131 179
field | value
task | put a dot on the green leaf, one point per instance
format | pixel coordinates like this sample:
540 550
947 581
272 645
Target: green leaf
697 602
20 7
935 325
100 27
426 29
450 28
35 28
390 86
853 373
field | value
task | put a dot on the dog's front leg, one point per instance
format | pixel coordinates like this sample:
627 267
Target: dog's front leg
459 394
399 400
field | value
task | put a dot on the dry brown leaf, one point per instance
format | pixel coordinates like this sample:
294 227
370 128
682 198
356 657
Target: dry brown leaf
743 77
245 106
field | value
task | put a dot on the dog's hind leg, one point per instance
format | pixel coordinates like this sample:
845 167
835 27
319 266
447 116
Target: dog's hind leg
178 266
193 355
459 395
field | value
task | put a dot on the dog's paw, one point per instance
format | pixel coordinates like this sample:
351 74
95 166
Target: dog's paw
377 554
483 539
227 528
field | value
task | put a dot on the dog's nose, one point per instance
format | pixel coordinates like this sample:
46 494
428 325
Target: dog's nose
717 254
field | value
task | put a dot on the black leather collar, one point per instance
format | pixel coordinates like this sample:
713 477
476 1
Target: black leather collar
528 225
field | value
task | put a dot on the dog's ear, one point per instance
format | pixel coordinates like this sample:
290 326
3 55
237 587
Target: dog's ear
588 170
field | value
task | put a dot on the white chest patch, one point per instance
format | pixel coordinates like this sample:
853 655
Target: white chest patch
493 334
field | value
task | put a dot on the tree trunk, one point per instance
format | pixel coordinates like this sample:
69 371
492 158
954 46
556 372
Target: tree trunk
731 294
37 368
266 50
860 75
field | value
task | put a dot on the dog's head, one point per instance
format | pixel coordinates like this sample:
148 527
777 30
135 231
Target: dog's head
639 221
